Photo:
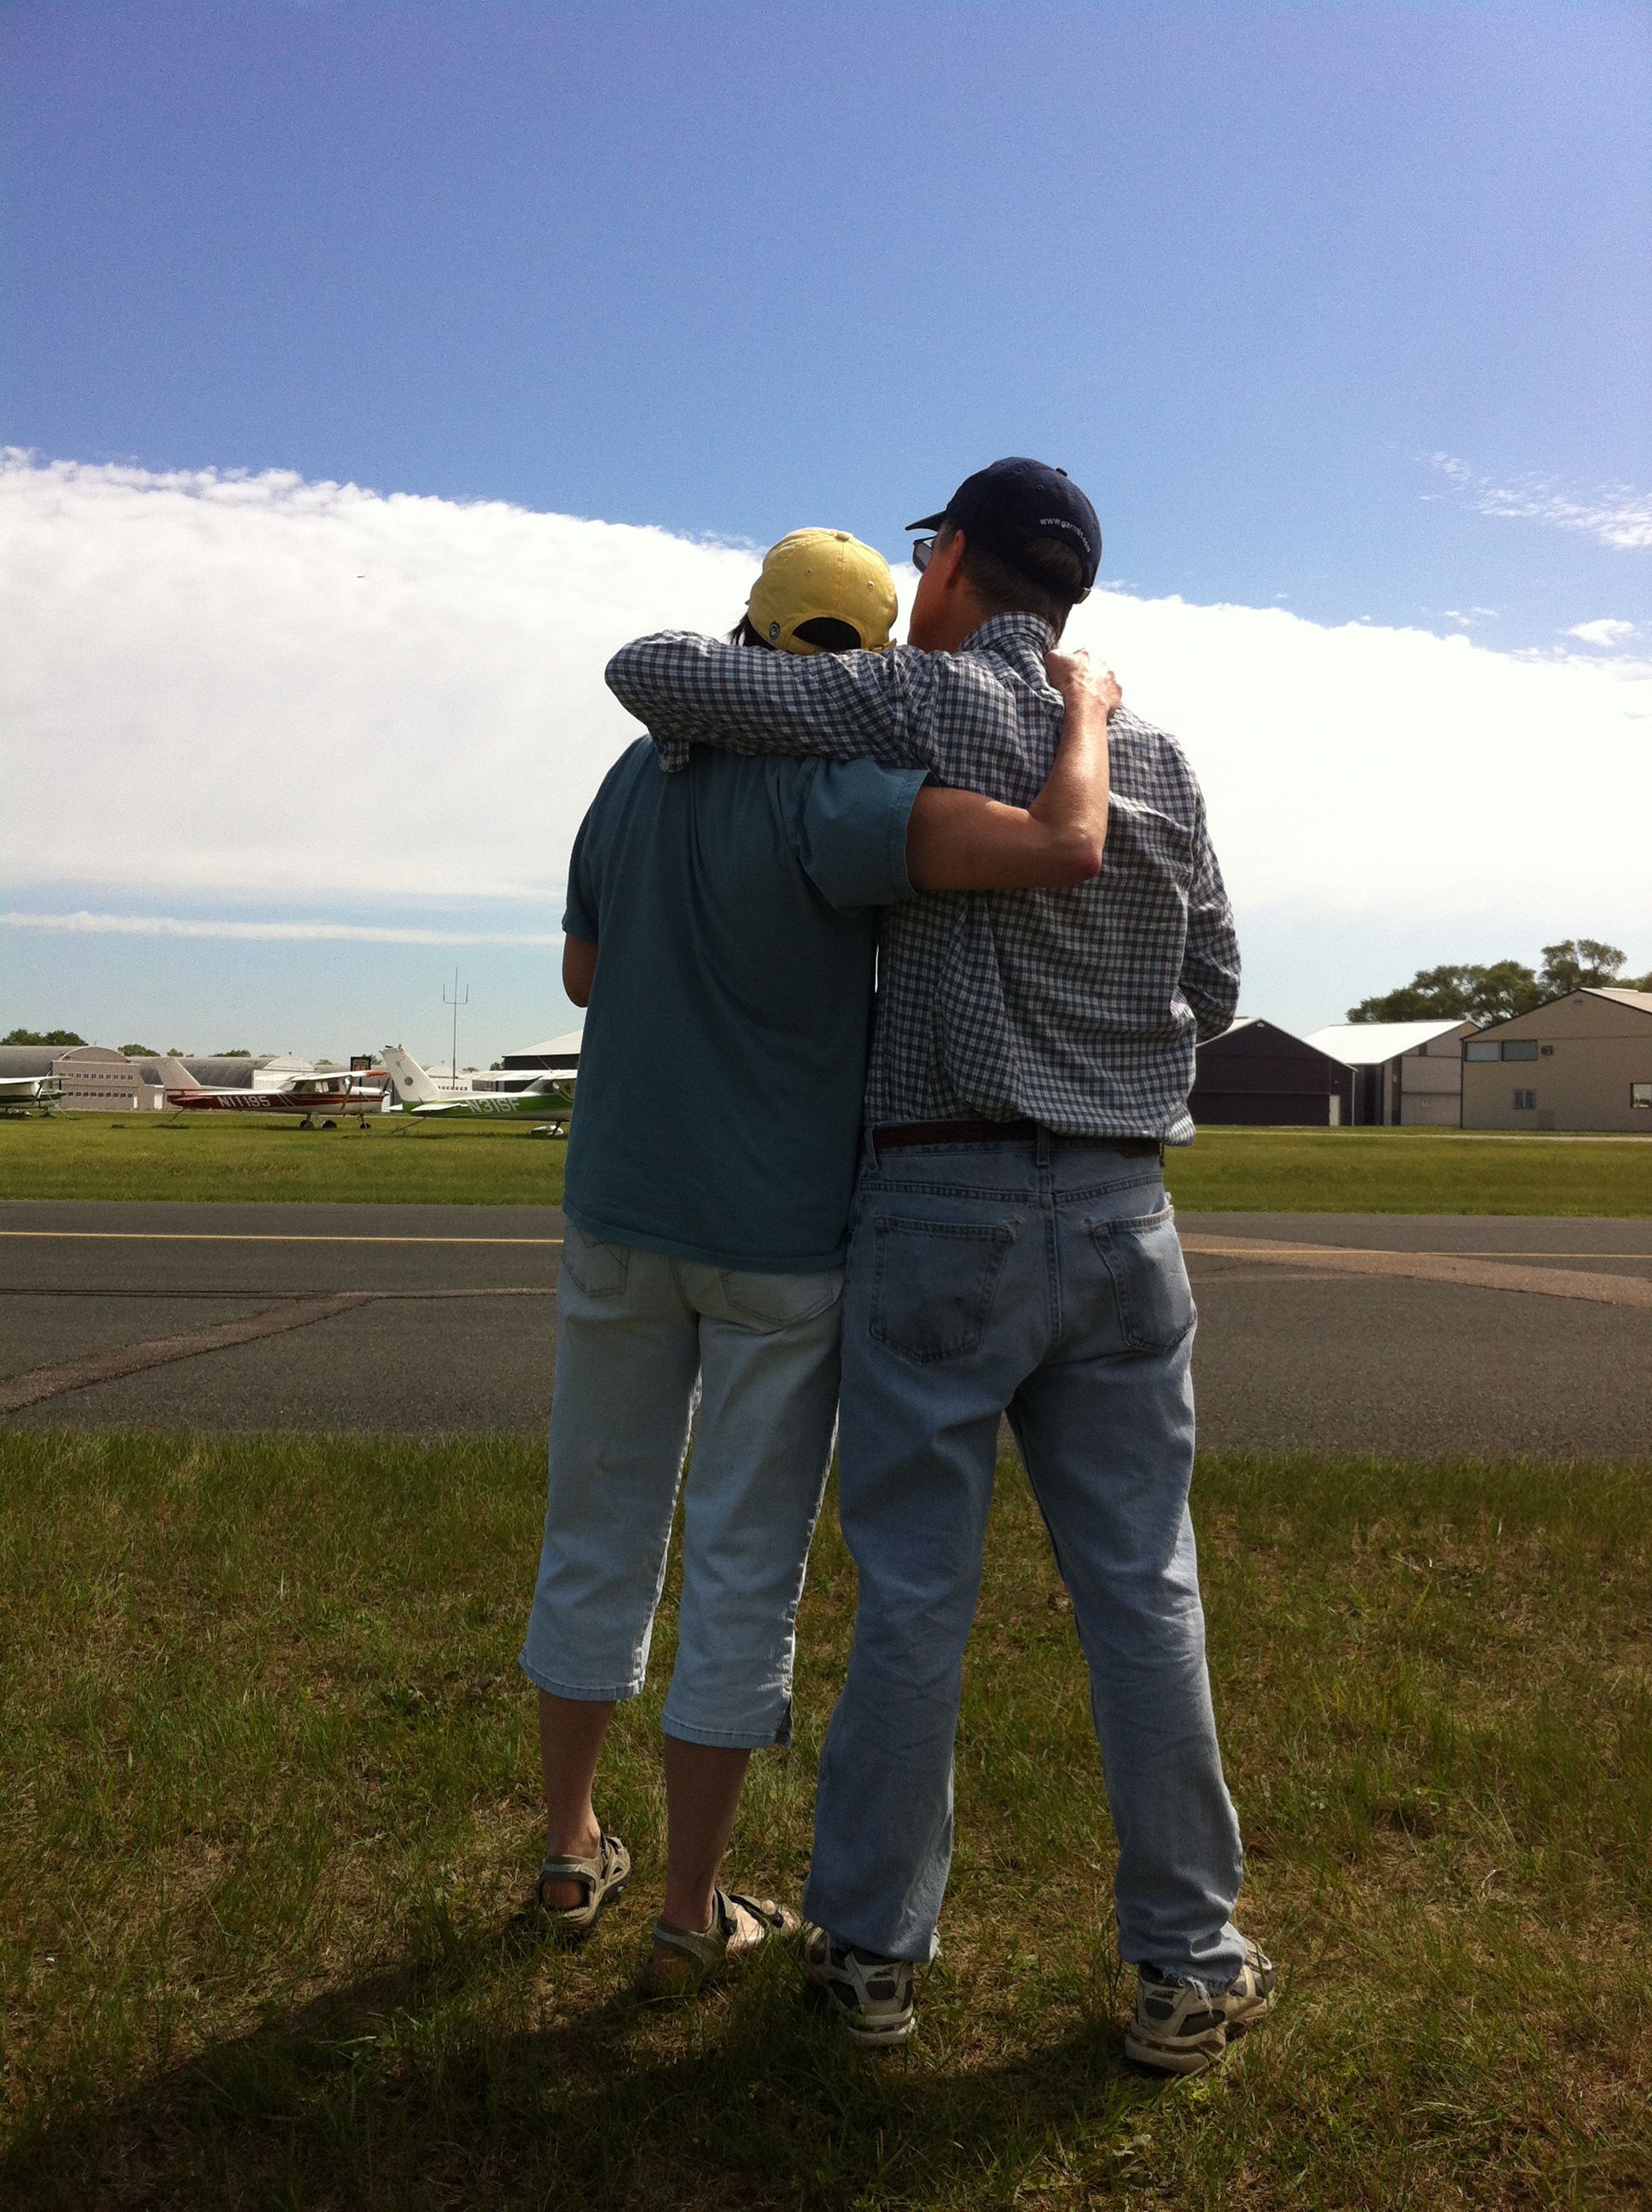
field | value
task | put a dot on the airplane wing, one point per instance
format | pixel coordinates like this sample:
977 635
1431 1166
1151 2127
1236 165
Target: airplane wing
30 1090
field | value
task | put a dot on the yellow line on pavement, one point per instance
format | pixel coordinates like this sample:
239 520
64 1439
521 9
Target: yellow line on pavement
251 1236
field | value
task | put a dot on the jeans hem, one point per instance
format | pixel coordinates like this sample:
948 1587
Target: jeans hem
583 1693
721 1739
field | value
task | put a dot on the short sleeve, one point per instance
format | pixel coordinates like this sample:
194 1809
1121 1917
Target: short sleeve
847 821
581 914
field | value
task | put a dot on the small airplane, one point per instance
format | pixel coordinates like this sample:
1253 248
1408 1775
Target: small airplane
327 1093
548 1099
22 1094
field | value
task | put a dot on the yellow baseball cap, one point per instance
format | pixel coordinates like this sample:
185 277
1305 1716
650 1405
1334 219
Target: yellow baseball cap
822 572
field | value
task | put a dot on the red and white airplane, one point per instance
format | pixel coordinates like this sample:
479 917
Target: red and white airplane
315 1095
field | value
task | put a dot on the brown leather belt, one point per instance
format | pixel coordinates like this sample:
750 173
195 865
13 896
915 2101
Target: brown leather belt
895 1134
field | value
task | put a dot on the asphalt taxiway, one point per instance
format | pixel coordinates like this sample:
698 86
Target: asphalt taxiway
1412 1335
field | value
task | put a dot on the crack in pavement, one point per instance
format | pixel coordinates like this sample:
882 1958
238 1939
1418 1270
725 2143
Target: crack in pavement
296 1310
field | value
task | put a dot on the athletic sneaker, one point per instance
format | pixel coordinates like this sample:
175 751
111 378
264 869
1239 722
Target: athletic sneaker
871 1995
1181 2027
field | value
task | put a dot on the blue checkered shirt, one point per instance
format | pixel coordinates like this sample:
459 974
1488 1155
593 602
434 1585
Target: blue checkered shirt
1077 1008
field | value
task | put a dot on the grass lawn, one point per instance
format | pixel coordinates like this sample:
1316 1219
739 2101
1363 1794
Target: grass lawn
395 1161
269 1814
153 1156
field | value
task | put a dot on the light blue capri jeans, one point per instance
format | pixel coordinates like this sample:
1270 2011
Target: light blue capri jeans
636 1331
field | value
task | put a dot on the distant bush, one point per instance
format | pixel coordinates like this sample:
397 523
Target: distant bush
43 1036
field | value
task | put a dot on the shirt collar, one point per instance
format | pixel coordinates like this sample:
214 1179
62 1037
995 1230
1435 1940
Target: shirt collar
1017 636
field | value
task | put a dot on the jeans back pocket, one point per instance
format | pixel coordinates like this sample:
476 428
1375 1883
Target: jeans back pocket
934 1284
1144 1258
777 1302
600 1268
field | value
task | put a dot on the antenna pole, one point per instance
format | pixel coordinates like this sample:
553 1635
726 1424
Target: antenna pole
456 1002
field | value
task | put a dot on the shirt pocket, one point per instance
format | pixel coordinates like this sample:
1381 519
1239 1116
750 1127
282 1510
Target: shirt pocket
600 1269
934 1284
1143 1260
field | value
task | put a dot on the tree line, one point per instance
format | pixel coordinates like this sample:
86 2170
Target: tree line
1465 993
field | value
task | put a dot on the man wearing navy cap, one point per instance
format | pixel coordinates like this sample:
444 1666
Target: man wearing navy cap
1012 1250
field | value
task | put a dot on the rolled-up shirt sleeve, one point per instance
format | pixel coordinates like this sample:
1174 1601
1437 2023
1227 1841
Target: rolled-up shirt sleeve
849 832
841 706
1210 963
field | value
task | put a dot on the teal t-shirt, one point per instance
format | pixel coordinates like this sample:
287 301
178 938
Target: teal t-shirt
734 907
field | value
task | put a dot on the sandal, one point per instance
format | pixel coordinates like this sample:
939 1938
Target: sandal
604 1877
740 1925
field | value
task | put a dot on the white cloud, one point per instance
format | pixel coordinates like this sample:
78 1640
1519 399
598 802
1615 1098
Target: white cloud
1604 632
266 687
1390 773
226 692
1615 515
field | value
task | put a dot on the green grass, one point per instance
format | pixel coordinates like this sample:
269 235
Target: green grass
269 1810
130 1156
394 1161
1407 1171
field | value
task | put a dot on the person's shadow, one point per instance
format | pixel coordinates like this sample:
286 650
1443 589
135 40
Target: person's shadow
400 2089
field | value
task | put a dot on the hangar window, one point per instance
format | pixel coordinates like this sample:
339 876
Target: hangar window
1521 1049
1525 1101
1481 1048
1640 1094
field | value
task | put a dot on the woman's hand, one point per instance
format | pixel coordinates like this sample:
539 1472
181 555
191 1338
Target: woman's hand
1071 675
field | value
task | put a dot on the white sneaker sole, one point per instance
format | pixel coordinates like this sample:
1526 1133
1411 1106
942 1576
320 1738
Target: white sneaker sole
881 2035
1185 2055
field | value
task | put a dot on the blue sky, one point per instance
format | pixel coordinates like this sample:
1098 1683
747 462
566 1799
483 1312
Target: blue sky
1342 309
1242 269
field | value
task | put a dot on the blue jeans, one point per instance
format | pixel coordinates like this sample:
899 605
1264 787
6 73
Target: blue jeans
635 1329
1043 1276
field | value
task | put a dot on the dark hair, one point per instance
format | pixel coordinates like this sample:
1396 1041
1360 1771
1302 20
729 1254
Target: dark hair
825 631
1002 588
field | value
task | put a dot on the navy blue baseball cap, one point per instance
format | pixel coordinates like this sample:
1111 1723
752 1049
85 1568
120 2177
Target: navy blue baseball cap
1007 506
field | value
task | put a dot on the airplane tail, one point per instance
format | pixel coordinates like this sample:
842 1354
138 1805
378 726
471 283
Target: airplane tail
174 1076
413 1086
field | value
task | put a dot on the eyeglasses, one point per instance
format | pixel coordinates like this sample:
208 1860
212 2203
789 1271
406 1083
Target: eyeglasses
921 549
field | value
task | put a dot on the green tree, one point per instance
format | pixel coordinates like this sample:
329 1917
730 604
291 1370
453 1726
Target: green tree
1579 963
1463 993
43 1036
1505 989
138 1051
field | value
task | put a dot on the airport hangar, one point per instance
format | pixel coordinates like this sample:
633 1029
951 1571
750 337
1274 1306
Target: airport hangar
1581 1063
1350 1075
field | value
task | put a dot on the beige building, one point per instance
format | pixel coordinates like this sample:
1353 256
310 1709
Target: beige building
1582 1062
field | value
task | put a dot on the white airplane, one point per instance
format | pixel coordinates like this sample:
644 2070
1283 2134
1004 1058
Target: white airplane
327 1092
21 1094
548 1099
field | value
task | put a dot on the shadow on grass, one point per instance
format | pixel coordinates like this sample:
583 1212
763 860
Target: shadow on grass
465 2073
